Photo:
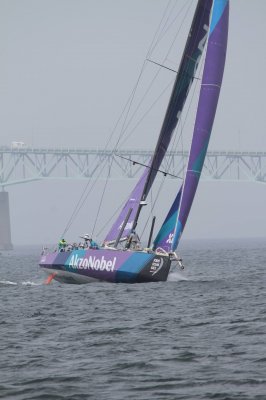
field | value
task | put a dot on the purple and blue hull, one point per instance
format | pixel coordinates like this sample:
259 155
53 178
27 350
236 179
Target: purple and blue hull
84 266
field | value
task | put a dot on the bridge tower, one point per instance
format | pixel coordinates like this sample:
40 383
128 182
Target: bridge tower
5 230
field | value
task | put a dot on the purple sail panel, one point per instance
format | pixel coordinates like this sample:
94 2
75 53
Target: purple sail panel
209 94
190 60
132 202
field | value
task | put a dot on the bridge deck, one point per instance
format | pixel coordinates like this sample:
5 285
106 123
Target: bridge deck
24 164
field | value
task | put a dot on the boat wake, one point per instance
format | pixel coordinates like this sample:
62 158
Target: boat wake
24 283
6 283
176 276
29 283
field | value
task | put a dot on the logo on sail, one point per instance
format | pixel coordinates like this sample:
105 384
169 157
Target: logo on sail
170 238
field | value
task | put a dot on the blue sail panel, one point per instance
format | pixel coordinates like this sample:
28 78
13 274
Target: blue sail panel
164 238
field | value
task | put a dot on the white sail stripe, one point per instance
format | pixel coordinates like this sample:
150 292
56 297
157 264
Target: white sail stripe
193 170
211 84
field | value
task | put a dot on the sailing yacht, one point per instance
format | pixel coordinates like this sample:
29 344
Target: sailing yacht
121 258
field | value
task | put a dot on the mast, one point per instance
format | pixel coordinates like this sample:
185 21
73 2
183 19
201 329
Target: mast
208 100
188 66
186 73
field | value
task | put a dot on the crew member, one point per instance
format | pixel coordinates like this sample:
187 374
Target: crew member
89 243
133 241
62 245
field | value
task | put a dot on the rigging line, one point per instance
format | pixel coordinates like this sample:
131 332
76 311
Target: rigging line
163 66
122 131
146 113
164 28
161 184
177 33
181 126
142 69
128 103
181 134
157 73
112 216
173 41
154 203
182 122
77 208
159 27
80 202
69 223
83 198
186 115
177 140
103 193
148 52
147 55
169 26
182 147
147 166
147 91
194 90
150 214
138 106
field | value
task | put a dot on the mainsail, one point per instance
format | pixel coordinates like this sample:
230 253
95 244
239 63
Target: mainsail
208 99
186 73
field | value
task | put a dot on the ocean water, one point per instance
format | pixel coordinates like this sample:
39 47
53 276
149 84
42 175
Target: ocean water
200 335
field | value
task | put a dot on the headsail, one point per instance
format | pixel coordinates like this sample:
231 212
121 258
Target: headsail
209 94
165 236
189 63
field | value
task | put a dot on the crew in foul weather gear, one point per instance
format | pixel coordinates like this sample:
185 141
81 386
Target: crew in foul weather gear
62 245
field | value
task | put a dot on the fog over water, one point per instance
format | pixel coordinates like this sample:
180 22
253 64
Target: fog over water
67 69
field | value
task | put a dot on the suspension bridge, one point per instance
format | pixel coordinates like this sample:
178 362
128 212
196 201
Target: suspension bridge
20 164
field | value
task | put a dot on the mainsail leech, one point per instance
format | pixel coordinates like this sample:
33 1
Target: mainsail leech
208 99
189 63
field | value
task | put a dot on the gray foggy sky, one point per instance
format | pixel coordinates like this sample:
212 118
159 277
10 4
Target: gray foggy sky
67 68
